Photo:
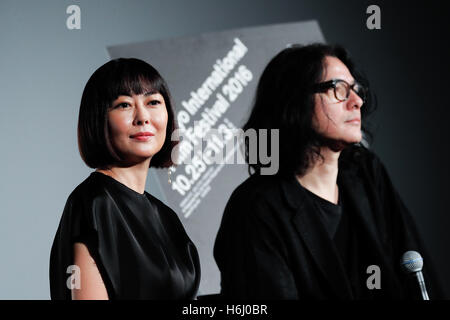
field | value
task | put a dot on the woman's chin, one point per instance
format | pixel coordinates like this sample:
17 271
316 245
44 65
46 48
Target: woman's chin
132 159
144 153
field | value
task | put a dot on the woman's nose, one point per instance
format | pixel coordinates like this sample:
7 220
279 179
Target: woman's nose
139 122
142 115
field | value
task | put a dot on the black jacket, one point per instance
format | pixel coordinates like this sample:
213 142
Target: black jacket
272 244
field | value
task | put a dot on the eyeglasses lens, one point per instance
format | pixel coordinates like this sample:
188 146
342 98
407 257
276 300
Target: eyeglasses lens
341 91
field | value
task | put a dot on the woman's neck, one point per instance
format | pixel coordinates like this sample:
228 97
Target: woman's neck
134 177
321 177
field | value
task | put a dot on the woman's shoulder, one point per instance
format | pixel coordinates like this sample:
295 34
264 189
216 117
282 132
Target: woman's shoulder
85 200
162 207
158 203
79 214
86 191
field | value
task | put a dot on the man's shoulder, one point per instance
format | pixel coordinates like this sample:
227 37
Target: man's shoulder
257 187
359 157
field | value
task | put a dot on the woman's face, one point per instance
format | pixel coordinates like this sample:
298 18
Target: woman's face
132 115
334 119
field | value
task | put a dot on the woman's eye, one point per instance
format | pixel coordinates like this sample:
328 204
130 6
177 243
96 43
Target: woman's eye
154 102
122 105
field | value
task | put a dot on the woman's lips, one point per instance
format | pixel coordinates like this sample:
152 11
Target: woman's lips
142 138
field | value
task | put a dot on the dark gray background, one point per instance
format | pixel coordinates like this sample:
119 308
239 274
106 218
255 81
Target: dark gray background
44 67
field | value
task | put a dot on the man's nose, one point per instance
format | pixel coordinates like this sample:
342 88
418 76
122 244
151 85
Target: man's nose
354 100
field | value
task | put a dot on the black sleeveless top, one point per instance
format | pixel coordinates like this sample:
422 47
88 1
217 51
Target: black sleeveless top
138 243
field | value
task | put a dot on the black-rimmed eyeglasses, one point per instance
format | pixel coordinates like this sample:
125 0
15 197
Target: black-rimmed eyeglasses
341 89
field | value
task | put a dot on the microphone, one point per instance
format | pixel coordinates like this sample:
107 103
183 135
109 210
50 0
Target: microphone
412 262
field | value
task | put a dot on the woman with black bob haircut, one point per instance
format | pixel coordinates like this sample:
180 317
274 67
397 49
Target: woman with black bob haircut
115 240
329 224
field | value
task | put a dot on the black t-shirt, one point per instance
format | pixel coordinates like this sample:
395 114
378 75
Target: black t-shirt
349 242
138 243
330 213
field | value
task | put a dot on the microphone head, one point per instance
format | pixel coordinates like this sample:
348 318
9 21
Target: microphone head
412 261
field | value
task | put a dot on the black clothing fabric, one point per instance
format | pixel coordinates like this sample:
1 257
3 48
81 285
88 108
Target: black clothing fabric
138 243
330 213
272 243
338 225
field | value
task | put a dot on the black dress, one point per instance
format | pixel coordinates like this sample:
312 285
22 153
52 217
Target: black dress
138 243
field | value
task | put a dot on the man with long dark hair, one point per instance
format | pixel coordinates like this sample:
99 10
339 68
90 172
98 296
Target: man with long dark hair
329 224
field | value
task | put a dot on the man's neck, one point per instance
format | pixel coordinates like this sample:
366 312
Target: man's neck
321 177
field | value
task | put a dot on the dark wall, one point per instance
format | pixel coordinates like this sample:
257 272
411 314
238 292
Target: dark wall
406 63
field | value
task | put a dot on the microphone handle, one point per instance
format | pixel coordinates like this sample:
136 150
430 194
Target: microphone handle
423 289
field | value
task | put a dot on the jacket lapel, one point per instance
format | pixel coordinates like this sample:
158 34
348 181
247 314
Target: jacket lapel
358 202
310 227
368 217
